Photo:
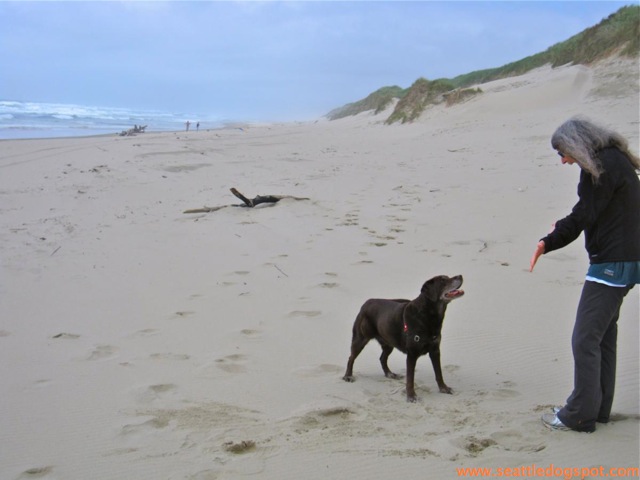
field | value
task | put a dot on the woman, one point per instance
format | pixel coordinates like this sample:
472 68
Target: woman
608 212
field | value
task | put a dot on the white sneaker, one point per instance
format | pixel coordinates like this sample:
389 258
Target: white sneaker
551 420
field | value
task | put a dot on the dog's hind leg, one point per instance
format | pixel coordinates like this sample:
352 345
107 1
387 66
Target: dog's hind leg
386 351
357 344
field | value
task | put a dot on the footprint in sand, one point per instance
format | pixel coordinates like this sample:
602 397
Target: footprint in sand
239 448
350 219
474 446
150 425
184 314
232 363
169 356
121 451
162 388
102 352
151 393
147 332
37 472
42 383
515 441
323 418
385 237
507 392
70 336
250 333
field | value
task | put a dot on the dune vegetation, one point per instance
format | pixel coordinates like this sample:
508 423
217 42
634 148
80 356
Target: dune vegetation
618 34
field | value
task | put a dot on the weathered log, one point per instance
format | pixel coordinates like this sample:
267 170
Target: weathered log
247 202
261 198
132 131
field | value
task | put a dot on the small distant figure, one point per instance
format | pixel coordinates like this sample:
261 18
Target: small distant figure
197 126
188 124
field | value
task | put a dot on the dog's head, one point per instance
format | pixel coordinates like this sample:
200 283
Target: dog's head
443 288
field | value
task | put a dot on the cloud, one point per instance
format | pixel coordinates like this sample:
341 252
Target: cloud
272 58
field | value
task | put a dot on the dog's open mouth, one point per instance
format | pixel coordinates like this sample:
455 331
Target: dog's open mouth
455 293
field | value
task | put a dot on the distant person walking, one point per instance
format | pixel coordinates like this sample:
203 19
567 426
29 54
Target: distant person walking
188 124
608 212
197 126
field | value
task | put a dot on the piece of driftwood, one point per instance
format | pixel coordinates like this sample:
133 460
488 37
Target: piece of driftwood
247 202
133 131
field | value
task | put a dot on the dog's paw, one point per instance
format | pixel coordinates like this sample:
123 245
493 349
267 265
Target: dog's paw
412 398
349 378
445 389
395 376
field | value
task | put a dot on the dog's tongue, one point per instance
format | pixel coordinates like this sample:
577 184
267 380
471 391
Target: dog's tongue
454 293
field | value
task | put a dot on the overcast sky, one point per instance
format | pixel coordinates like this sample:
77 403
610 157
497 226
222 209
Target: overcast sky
264 60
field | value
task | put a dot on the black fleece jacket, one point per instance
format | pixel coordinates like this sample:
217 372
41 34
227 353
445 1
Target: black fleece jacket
608 212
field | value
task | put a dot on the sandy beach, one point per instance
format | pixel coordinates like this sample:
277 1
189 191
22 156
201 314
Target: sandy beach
140 342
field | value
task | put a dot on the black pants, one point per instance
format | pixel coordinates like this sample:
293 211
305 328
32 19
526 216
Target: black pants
594 341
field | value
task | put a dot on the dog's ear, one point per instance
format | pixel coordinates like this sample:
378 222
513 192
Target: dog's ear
432 288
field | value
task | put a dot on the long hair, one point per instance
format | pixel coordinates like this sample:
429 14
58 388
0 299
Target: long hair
581 139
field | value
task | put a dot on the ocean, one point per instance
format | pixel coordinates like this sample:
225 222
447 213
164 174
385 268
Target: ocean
47 120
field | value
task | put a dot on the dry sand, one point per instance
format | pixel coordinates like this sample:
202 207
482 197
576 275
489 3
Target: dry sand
137 342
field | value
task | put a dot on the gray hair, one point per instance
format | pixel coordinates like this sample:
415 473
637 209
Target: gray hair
580 139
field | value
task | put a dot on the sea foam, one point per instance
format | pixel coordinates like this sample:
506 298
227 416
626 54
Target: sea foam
39 120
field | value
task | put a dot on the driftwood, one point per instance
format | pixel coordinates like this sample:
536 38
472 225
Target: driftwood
247 202
132 131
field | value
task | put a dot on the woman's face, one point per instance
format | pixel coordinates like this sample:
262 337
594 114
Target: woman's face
565 159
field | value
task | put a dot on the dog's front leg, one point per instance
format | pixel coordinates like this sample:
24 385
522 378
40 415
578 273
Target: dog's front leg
411 370
435 361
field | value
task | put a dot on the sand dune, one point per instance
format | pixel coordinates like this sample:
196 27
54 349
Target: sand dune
140 342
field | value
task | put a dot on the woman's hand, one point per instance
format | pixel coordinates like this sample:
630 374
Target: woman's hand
539 251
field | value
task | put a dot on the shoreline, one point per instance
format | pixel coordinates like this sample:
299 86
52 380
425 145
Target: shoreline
225 126
78 135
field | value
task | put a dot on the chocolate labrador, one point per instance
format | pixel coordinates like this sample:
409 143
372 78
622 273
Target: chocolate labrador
411 326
